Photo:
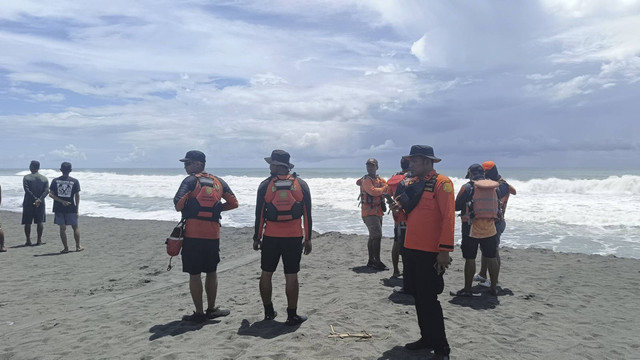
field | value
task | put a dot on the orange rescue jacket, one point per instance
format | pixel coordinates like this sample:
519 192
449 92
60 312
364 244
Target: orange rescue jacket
430 225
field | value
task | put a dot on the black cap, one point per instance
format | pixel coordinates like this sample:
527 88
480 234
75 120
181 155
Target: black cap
34 164
279 157
194 155
475 172
422 150
65 167
372 161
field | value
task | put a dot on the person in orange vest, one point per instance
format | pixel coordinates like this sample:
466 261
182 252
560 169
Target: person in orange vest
372 208
399 222
199 199
428 203
491 172
283 220
479 204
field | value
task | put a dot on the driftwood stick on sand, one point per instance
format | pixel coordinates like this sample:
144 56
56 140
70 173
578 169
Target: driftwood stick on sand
362 335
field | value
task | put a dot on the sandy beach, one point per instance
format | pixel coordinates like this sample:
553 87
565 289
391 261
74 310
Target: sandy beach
116 300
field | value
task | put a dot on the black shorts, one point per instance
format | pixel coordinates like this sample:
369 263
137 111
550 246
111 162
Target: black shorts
488 246
33 215
290 248
200 255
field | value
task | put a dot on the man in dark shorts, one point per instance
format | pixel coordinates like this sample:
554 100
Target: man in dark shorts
36 189
65 191
477 231
283 219
199 198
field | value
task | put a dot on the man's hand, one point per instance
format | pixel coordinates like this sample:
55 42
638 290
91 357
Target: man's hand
395 206
256 244
443 261
307 247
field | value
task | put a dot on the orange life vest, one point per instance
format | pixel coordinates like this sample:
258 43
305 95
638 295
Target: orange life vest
484 203
283 199
208 192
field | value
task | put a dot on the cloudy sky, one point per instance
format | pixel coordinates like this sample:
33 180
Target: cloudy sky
123 83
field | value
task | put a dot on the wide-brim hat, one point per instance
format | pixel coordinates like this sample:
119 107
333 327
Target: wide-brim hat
279 157
423 150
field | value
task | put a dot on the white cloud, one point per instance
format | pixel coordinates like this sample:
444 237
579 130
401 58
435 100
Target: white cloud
69 152
325 78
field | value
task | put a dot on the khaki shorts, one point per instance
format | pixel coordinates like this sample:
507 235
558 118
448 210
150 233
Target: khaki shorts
374 224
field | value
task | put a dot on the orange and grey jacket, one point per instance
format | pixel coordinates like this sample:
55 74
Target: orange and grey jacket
430 224
371 195
199 226
282 227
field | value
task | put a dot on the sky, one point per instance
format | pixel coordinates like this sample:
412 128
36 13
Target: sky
121 84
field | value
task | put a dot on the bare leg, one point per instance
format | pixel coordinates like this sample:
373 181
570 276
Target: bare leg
211 287
40 230
395 258
63 237
195 287
27 233
494 270
266 287
76 236
483 267
2 248
469 270
292 290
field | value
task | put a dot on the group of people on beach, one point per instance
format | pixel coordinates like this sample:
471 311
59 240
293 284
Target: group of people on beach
421 200
482 202
65 192
423 206
283 227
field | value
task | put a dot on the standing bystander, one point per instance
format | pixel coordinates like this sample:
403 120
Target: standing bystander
33 206
65 191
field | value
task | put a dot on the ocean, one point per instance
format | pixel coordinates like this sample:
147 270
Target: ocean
592 211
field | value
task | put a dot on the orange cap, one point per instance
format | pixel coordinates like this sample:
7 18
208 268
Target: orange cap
487 165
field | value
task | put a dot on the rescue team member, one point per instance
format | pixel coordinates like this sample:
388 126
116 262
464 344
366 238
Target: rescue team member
399 225
199 199
427 201
372 208
491 172
478 202
283 218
